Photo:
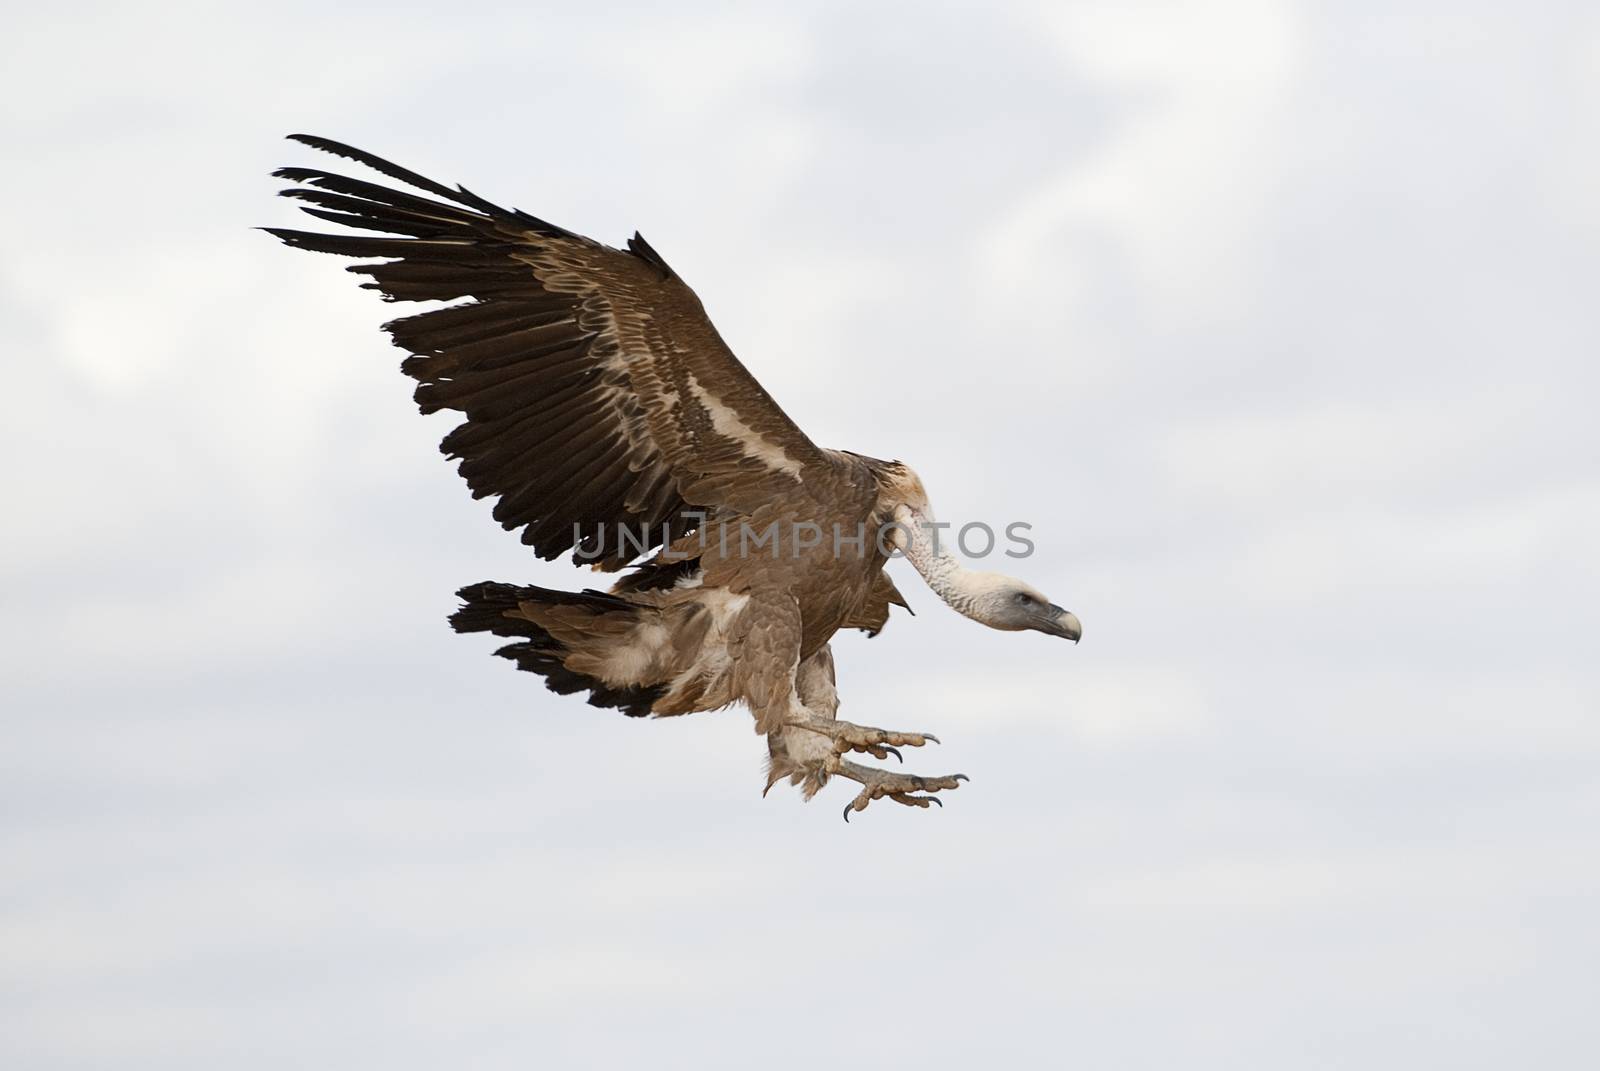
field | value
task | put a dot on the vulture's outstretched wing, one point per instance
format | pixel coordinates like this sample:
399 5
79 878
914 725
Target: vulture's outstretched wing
596 391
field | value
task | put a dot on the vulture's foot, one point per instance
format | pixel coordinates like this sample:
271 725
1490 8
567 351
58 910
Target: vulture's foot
879 743
881 784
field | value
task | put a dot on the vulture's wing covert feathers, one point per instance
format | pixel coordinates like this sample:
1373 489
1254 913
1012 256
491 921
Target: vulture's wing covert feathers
596 391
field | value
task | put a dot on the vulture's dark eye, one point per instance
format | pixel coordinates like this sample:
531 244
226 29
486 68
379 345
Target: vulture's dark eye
1024 598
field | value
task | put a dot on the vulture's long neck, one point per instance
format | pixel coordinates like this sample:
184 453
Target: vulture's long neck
928 551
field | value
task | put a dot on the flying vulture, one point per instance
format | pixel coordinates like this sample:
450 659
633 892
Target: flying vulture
611 421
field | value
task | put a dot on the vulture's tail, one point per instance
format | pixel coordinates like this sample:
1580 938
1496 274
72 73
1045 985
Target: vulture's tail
576 640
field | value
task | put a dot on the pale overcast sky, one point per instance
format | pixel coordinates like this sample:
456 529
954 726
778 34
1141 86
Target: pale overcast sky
1276 320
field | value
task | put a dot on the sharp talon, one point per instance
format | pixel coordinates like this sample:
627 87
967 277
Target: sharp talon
847 812
961 777
930 736
896 753
936 799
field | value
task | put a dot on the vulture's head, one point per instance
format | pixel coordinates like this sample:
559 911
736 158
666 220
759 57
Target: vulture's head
1006 603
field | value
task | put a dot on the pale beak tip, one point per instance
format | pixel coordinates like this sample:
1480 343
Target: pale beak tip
1071 627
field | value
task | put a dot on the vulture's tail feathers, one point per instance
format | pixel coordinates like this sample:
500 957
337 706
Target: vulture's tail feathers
560 635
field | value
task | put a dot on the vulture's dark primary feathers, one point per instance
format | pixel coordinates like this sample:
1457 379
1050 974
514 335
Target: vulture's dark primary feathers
609 421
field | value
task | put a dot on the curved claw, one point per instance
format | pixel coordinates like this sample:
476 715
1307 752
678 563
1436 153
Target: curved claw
895 752
961 777
847 811
930 736
936 799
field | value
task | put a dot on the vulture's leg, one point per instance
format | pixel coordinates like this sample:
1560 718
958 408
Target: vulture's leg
796 753
808 749
879 784
814 686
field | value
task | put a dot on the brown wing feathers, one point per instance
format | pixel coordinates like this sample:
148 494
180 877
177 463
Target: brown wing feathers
552 428
597 394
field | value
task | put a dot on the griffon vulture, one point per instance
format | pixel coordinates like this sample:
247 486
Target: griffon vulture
610 420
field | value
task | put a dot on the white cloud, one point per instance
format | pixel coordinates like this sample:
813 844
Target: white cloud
1202 91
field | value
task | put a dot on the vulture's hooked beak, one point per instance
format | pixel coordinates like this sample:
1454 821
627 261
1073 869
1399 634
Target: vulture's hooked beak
1063 623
